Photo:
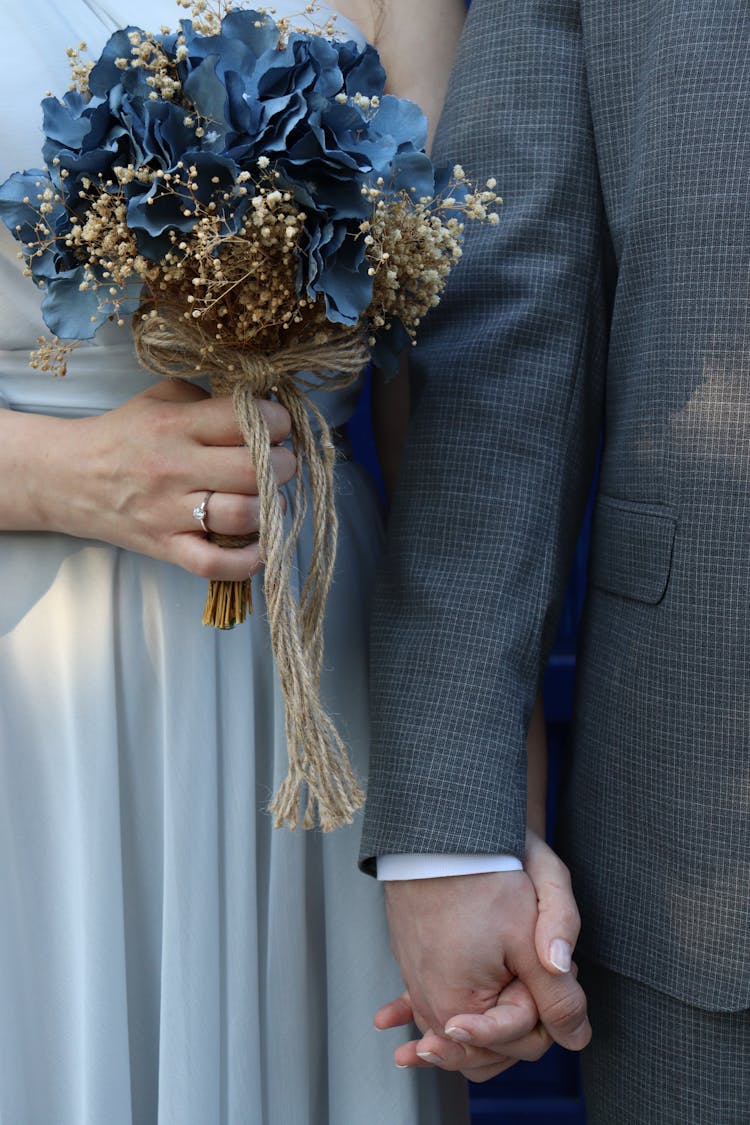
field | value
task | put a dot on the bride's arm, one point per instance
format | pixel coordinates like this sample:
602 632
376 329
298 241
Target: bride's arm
417 41
132 477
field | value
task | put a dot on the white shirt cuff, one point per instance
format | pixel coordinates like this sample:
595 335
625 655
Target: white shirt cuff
395 867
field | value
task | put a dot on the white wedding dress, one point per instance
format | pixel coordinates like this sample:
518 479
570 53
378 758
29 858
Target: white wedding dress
165 955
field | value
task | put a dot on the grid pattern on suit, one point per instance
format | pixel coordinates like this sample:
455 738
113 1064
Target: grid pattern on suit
615 289
634 1076
454 628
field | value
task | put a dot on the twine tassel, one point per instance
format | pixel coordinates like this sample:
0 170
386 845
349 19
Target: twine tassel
322 780
228 603
320 776
318 761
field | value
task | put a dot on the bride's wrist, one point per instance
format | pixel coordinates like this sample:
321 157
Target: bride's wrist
37 454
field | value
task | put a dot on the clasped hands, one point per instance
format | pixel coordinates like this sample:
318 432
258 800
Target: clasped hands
486 964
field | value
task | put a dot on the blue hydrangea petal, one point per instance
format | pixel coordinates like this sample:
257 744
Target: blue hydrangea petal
214 174
274 77
242 25
320 234
347 288
234 57
324 56
49 262
162 208
153 247
68 311
339 129
313 186
159 210
166 137
413 172
65 123
304 63
336 268
80 167
20 217
388 346
312 148
105 75
362 70
243 117
208 94
401 119
280 118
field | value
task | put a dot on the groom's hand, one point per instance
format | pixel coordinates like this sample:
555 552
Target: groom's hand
477 988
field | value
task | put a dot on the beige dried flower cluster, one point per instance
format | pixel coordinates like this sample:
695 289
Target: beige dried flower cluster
80 68
413 246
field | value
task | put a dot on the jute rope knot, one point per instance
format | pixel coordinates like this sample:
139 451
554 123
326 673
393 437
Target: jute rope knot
320 786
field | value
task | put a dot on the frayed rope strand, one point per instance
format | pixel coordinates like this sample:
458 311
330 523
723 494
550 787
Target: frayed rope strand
320 787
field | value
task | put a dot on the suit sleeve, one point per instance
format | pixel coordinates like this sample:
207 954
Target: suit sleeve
501 449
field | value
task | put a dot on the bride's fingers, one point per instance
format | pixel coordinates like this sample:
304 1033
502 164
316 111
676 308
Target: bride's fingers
466 1056
396 1013
207 560
211 420
406 1055
226 513
232 470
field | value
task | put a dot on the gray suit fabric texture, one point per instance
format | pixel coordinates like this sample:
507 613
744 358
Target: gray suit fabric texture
614 298
654 1060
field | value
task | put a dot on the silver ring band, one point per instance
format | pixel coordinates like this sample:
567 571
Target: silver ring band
201 512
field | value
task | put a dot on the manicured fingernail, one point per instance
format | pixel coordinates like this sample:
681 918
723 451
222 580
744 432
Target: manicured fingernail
560 954
458 1035
429 1057
402 1066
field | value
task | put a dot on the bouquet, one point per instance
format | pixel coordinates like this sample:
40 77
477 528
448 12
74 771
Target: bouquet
245 195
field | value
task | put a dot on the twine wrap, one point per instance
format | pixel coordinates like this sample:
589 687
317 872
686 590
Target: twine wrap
320 786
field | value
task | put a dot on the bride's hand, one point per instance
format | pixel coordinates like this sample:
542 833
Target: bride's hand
133 476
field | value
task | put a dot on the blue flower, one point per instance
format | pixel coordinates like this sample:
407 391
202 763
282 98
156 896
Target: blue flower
107 77
362 70
403 122
166 207
19 206
71 312
388 346
306 107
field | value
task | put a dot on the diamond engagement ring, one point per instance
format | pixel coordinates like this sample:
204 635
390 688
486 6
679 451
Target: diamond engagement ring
201 512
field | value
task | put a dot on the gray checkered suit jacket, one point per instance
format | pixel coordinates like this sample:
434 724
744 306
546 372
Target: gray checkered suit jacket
615 293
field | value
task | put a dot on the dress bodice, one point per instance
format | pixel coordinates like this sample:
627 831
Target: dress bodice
103 372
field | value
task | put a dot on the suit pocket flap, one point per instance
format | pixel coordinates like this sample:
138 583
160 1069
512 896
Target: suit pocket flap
631 549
